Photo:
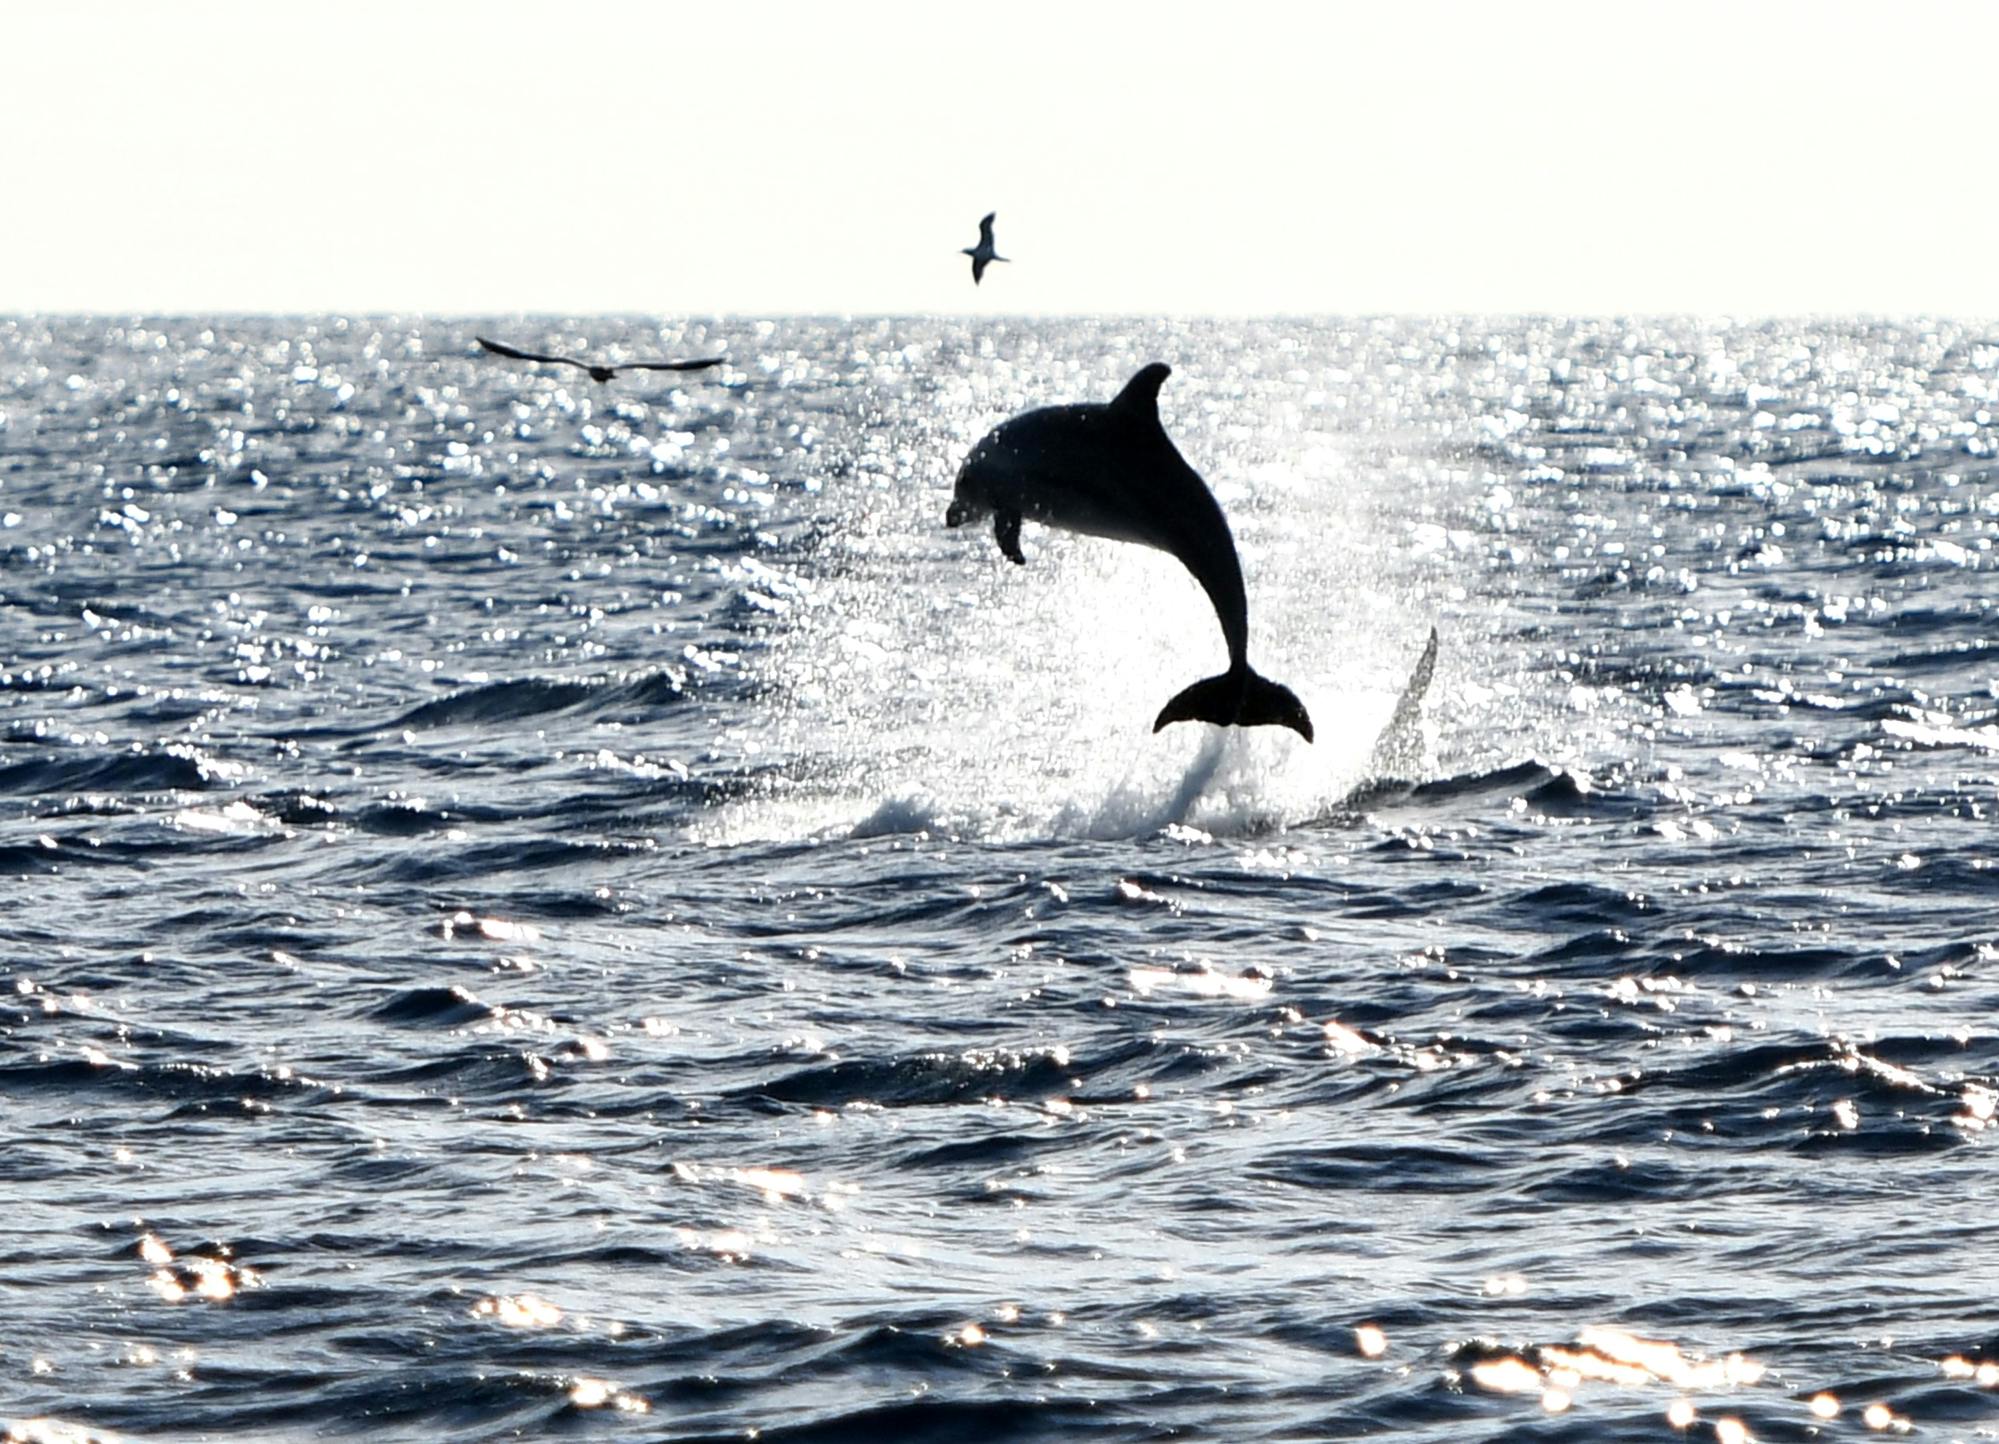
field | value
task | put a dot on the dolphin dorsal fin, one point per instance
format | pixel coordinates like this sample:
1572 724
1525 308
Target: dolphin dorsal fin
1141 393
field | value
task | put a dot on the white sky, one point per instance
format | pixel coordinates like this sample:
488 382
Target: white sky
765 156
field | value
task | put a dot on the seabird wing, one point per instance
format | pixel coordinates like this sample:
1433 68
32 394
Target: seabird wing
700 363
978 267
514 352
986 230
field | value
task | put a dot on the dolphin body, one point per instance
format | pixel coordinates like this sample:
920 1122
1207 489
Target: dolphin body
1108 469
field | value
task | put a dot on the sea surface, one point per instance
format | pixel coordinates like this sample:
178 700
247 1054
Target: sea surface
539 910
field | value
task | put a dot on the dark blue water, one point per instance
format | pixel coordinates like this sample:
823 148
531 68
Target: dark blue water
542 910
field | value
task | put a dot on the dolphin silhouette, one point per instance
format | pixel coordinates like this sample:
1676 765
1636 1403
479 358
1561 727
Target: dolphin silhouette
1108 469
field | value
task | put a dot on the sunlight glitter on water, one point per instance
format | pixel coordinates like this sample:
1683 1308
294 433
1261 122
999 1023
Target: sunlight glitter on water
1983 1372
176 1278
490 929
775 1184
1664 1361
592 1393
1616 1358
1510 1375
519 1311
1735 684
55 1431
1202 981
1882 1419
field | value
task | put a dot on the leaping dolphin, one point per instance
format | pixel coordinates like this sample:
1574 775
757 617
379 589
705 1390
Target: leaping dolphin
1108 469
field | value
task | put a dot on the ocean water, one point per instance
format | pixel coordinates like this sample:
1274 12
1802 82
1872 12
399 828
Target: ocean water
540 910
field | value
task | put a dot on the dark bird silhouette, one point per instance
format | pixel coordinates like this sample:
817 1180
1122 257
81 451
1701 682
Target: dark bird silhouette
598 373
983 253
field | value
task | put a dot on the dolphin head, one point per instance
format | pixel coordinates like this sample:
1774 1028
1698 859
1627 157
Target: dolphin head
971 496
993 475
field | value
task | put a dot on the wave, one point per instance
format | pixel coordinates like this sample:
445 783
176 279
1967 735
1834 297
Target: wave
138 769
496 703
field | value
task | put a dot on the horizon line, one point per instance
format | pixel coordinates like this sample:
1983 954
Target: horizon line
1718 315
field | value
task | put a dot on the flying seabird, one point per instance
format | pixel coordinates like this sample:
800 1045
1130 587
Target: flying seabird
599 373
983 253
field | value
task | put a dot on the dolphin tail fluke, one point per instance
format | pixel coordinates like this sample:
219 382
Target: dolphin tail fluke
1238 699
1272 704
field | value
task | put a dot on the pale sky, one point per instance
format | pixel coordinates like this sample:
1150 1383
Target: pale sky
1753 157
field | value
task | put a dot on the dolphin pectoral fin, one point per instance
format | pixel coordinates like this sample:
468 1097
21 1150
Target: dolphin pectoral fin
1006 531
